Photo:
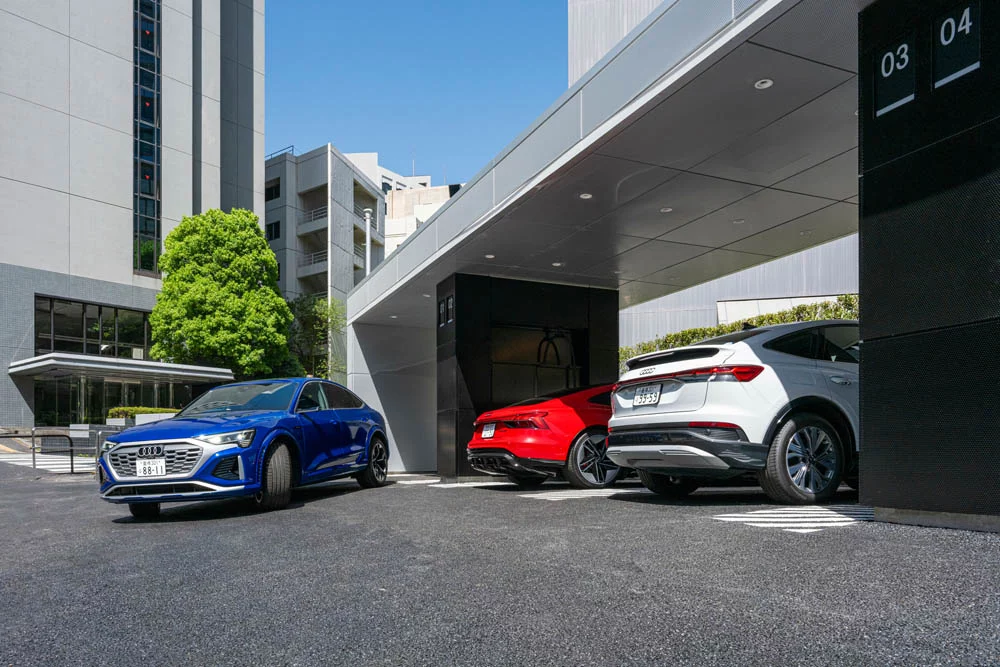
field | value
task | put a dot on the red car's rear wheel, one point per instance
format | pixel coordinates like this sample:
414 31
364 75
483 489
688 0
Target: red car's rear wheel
588 465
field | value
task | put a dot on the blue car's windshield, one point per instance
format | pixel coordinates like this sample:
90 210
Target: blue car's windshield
262 396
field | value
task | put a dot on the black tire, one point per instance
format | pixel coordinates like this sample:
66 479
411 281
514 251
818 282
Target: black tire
853 483
377 472
144 511
526 481
817 456
667 486
588 465
276 480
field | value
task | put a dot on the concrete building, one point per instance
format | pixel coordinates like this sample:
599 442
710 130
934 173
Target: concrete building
315 221
117 120
408 208
387 179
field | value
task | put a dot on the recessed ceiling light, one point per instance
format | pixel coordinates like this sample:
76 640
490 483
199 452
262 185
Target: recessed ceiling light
394 317
426 296
490 256
764 84
806 232
557 264
666 209
586 195
617 272
739 221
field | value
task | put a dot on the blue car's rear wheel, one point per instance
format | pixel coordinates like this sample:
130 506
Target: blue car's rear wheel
377 472
276 479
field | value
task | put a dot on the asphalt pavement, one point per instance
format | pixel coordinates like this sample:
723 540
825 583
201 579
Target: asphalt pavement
420 574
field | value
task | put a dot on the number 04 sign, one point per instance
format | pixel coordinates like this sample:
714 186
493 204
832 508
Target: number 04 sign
957 44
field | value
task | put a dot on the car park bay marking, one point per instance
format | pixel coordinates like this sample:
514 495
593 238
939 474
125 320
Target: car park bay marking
802 519
576 494
51 462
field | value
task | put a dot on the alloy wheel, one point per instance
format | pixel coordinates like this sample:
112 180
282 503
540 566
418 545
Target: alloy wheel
811 459
592 460
379 461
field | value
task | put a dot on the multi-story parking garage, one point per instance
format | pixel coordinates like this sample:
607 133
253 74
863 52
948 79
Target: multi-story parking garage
717 136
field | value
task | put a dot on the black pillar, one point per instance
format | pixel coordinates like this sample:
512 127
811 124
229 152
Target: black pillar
930 257
501 341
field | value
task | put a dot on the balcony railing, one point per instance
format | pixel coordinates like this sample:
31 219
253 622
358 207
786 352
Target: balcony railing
313 258
313 215
359 211
359 254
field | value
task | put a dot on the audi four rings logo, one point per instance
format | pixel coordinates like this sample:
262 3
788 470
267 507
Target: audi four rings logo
151 450
647 371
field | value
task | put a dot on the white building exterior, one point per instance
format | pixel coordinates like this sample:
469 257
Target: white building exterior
117 119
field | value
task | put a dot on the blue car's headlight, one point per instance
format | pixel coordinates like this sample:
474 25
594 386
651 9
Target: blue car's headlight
241 438
107 445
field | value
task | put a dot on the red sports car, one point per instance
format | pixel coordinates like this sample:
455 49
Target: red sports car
541 438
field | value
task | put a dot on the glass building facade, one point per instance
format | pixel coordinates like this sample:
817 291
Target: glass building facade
147 231
98 330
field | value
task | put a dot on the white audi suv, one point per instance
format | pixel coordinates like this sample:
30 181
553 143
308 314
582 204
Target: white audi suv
778 401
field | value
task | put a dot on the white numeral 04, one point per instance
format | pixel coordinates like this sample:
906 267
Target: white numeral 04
949 30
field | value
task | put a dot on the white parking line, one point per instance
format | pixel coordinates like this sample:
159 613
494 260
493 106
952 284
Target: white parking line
576 494
802 519
51 462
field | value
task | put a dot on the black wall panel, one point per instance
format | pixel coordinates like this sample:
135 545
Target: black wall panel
489 312
929 403
929 85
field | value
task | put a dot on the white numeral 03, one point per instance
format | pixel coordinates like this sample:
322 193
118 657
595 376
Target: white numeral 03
899 60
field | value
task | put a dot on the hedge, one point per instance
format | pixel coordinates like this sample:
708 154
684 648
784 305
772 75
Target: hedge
843 308
129 412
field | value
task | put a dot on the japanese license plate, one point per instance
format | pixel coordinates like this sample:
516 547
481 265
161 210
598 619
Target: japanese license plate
488 430
648 394
150 467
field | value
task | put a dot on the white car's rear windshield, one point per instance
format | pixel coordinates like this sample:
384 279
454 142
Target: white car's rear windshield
737 337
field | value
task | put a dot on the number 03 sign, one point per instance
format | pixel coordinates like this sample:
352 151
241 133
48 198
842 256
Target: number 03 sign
896 79
956 46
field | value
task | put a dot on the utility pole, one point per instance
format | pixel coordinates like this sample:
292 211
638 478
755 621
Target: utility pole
368 241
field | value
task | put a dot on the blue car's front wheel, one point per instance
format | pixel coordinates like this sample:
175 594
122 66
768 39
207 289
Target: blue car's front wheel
276 480
377 472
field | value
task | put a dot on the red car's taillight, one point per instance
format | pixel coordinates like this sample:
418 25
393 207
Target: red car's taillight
534 419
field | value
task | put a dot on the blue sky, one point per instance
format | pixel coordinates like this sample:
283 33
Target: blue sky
449 82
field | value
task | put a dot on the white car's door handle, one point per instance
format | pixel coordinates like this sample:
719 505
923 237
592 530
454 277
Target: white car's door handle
836 379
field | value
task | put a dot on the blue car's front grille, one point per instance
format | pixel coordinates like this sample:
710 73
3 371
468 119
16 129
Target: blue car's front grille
181 459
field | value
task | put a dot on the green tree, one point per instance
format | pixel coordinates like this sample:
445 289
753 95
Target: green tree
220 304
316 334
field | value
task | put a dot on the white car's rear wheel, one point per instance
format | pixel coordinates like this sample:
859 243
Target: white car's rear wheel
805 463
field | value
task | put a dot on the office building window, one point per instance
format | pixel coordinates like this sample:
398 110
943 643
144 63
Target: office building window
146 231
272 190
87 328
272 230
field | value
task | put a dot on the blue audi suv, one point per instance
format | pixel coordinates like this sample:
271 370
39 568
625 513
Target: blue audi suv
255 439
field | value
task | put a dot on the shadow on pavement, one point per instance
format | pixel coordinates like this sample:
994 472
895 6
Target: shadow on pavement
726 496
214 510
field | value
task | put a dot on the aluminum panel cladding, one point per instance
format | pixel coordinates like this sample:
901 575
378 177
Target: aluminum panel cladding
930 237
928 432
